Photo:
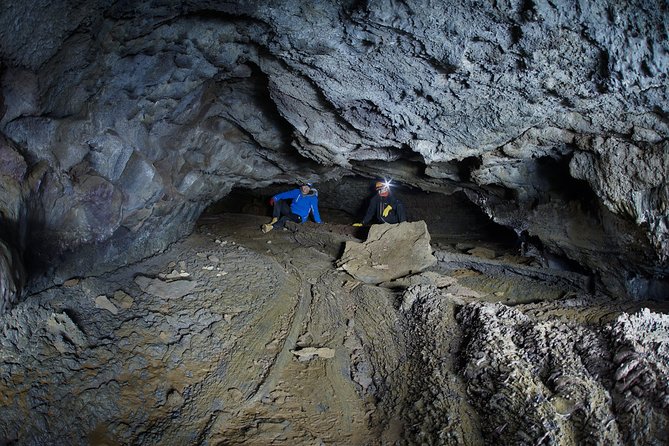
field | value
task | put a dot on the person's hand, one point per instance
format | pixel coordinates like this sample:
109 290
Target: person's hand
271 201
357 225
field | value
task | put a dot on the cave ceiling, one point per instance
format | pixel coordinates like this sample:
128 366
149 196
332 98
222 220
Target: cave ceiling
122 121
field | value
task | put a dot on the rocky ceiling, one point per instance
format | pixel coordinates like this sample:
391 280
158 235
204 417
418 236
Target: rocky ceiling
122 121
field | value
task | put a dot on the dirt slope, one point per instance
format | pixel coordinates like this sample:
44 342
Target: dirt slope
232 336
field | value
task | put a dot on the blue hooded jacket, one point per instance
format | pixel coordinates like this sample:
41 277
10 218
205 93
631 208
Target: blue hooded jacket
301 204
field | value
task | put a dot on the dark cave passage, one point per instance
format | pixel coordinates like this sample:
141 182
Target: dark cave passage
449 218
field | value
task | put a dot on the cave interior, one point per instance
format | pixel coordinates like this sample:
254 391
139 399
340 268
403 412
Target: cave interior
144 301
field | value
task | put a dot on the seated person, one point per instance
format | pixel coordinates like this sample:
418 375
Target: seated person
293 205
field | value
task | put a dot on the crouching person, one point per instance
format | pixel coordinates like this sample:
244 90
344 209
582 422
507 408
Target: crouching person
383 207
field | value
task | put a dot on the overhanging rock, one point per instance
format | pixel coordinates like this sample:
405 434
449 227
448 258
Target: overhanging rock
390 252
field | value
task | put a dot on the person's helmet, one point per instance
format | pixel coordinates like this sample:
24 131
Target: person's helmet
382 187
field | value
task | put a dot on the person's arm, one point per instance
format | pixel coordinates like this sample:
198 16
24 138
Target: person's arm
314 210
290 194
371 209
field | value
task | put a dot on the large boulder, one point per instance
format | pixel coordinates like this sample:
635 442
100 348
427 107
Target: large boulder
390 252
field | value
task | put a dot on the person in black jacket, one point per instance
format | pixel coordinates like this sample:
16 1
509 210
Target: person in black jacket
384 207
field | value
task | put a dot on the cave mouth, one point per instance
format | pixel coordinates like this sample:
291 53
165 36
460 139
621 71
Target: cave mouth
450 219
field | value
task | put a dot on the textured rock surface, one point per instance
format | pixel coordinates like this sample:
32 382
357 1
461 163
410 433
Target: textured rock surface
551 116
12 277
120 122
537 379
270 343
390 252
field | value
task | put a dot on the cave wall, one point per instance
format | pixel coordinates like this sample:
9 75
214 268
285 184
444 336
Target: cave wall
122 121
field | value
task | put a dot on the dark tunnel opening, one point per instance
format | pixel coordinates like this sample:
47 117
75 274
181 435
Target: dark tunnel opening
449 218
558 180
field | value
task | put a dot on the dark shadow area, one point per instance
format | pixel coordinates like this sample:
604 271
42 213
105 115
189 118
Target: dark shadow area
449 218
559 182
532 246
467 166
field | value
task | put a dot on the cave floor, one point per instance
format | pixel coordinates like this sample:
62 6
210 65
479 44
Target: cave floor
232 336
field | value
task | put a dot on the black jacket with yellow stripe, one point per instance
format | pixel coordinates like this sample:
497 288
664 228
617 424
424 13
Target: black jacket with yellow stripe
384 210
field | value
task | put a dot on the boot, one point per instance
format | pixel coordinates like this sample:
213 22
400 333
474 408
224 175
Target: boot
266 228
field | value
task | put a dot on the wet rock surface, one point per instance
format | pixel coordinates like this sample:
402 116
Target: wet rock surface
232 336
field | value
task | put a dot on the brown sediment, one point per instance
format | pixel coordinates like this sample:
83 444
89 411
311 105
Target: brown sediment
273 344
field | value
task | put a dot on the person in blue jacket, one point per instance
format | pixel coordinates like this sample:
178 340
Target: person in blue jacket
293 205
